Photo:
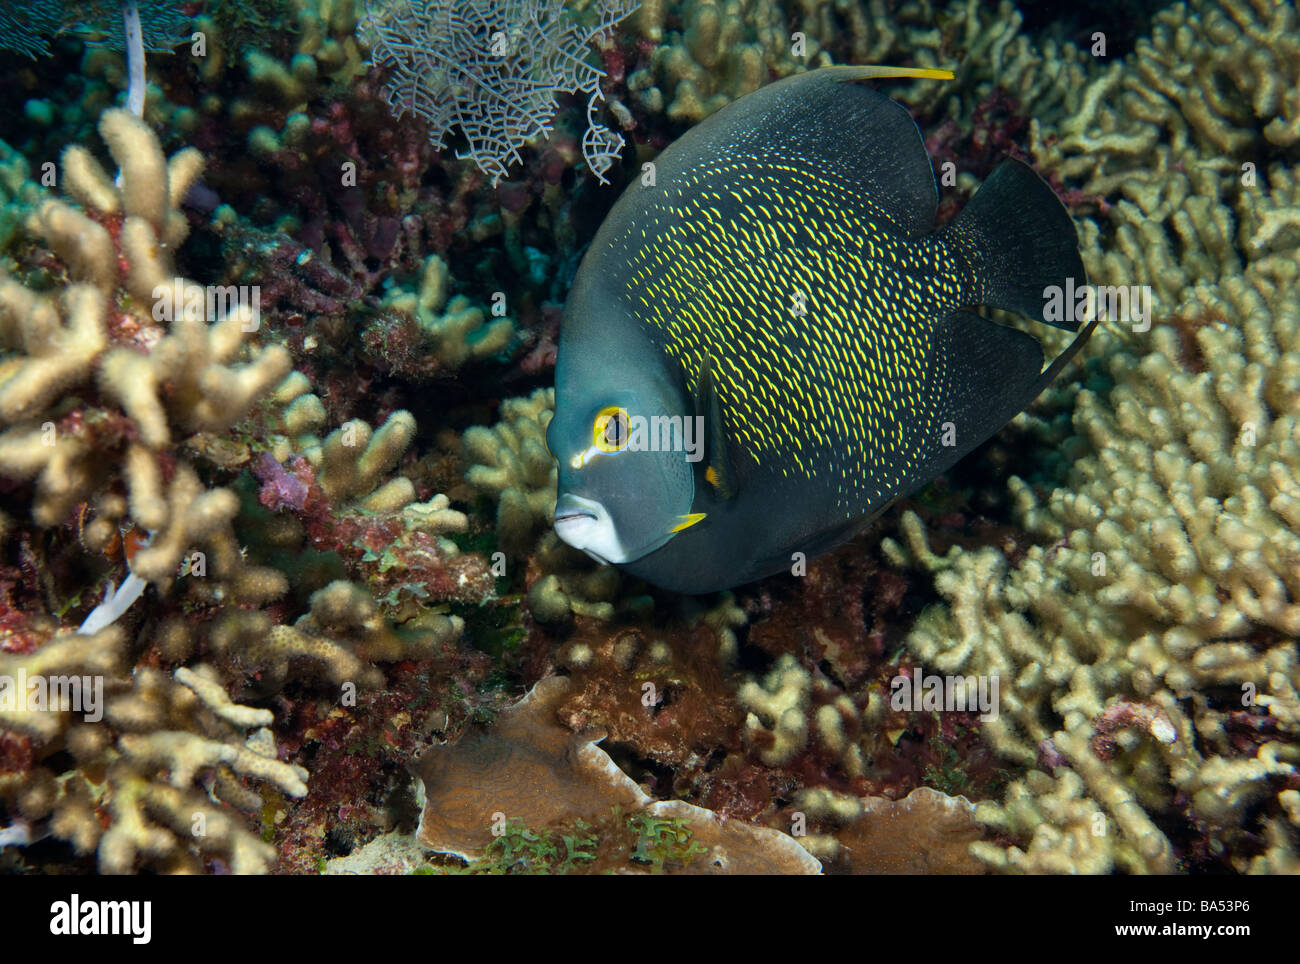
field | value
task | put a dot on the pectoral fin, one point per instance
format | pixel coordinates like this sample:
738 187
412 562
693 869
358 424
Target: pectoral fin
717 464
688 520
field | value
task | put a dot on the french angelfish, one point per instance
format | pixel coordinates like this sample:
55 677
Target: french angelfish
769 343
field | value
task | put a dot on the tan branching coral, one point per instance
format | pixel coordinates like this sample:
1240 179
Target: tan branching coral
18 192
724 51
778 717
353 459
1156 615
572 585
457 330
70 656
1071 833
346 611
793 709
118 397
141 766
510 462
1178 153
169 381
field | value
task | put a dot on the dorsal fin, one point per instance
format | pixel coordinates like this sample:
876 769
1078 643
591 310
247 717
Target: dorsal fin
829 127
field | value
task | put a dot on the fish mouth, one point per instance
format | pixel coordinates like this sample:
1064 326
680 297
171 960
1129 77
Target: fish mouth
572 512
573 516
584 524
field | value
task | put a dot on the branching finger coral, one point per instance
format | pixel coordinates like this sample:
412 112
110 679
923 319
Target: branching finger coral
1145 645
352 460
160 734
511 463
155 384
455 331
121 399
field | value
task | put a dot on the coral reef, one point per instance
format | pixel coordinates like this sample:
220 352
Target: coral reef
722 51
169 729
454 331
778 711
125 395
925 832
511 463
259 555
529 769
525 767
1144 632
82 341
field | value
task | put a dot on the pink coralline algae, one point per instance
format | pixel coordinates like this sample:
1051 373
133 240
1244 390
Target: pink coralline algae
281 488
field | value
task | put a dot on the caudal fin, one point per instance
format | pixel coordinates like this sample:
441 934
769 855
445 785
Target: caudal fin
1020 240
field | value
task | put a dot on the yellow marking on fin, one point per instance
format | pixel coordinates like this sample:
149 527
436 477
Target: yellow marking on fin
711 476
688 520
853 72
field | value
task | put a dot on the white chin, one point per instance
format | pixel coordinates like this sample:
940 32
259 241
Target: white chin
592 531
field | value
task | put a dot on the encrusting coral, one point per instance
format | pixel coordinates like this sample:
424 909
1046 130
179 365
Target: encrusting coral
529 769
926 832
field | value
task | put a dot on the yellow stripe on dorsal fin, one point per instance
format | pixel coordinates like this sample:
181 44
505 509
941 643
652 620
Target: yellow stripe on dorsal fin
688 520
866 72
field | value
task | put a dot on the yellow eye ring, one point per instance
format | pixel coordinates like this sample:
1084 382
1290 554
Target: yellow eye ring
611 429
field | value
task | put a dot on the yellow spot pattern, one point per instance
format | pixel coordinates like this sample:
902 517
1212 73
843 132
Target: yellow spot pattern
733 250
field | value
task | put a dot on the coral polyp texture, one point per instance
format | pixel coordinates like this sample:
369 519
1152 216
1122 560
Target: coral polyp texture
510 463
280 588
1146 636
454 331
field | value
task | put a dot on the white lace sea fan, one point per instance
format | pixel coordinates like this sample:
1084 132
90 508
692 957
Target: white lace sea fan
493 69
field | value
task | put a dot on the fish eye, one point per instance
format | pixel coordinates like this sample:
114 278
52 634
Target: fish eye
610 430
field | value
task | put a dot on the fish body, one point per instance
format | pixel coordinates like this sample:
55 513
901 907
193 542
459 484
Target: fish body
779 287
